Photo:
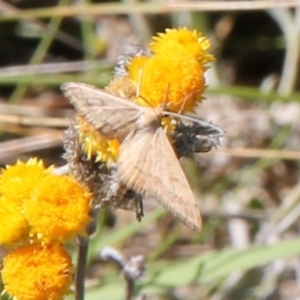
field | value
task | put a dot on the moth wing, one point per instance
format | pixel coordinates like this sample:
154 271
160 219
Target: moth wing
114 116
148 165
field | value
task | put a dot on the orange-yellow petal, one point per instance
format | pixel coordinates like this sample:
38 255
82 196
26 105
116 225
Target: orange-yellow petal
59 209
135 68
96 144
37 273
191 42
17 182
14 227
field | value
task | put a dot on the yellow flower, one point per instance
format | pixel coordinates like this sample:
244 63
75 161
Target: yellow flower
58 210
170 75
191 42
37 273
35 204
174 75
17 182
14 227
174 79
16 185
95 144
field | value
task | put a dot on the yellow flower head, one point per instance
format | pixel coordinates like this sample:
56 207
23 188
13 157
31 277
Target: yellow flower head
95 144
37 203
58 210
16 185
17 182
175 80
14 227
36 273
183 40
174 75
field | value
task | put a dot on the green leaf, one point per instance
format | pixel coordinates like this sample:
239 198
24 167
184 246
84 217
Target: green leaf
209 266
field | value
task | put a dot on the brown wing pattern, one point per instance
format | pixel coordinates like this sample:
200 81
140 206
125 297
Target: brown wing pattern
112 115
148 164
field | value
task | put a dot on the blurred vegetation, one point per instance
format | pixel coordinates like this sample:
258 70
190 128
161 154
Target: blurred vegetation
248 189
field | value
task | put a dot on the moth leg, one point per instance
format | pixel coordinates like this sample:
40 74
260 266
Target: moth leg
139 207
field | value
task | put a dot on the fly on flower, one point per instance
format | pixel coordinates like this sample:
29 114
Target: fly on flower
147 162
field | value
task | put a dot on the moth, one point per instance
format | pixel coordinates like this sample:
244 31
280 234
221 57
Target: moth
147 162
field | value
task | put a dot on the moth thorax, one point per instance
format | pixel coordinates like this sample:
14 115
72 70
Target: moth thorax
151 118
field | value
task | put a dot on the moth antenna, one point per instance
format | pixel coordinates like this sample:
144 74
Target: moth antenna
140 76
193 119
186 99
138 90
166 97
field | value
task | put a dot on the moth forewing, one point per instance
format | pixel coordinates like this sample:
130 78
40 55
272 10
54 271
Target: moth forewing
112 115
148 164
